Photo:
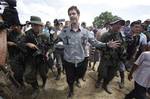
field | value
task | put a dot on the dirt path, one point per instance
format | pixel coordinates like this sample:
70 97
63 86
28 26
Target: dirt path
58 89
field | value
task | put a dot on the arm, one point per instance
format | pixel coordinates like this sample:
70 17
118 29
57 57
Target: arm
98 44
144 42
133 69
59 37
26 42
57 40
9 43
138 62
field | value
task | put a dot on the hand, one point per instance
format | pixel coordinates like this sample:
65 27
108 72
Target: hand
47 55
32 46
130 77
9 43
113 44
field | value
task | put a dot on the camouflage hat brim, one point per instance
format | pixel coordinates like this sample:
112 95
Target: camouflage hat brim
122 22
36 22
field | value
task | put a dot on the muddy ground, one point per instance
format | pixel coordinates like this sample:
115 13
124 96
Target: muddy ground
58 89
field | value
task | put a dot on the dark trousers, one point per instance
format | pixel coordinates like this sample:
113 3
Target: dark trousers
148 91
73 73
18 71
106 72
34 66
85 66
58 55
139 92
18 68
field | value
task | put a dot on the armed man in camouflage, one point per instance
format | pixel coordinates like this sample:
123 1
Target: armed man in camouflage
110 58
16 52
37 52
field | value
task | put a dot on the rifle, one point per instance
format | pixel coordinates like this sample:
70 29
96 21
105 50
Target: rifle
9 75
44 43
49 62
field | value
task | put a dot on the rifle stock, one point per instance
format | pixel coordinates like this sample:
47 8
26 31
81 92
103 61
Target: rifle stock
9 75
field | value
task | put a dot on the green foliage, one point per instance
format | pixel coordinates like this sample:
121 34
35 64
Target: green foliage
103 18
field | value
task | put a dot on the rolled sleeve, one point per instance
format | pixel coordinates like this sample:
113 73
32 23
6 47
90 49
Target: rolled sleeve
92 40
143 39
139 60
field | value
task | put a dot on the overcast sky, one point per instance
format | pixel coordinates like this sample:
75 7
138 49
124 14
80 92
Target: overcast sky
51 9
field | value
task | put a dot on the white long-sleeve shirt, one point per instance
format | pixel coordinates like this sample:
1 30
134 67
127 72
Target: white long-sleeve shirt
142 74
75 42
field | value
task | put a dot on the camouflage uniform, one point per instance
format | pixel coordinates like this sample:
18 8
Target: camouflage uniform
36 60
16 56
110 58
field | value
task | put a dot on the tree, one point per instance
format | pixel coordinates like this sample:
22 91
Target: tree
104 17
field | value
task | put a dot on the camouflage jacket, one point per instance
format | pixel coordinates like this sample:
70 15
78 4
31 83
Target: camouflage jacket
17 39
110 55
40 40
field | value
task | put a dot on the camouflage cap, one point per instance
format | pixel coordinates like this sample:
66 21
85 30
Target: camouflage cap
116 20
36 20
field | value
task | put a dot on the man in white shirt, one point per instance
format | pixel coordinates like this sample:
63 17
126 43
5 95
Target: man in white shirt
75 39
141 75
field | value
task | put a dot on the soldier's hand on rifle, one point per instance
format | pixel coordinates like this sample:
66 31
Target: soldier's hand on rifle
31 45
9 43
113 44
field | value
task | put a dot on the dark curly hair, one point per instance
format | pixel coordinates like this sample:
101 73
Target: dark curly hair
74 8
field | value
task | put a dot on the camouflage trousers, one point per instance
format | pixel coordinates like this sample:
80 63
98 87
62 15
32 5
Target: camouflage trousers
5 92
18 67
106 71
34 67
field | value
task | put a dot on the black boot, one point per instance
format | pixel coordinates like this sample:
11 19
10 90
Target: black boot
59 74
105 87
44 79
148 91
121 85
98 84
35 93
35 90
128 97
70 92
93 68
63 69
78 84
83 78
35 85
